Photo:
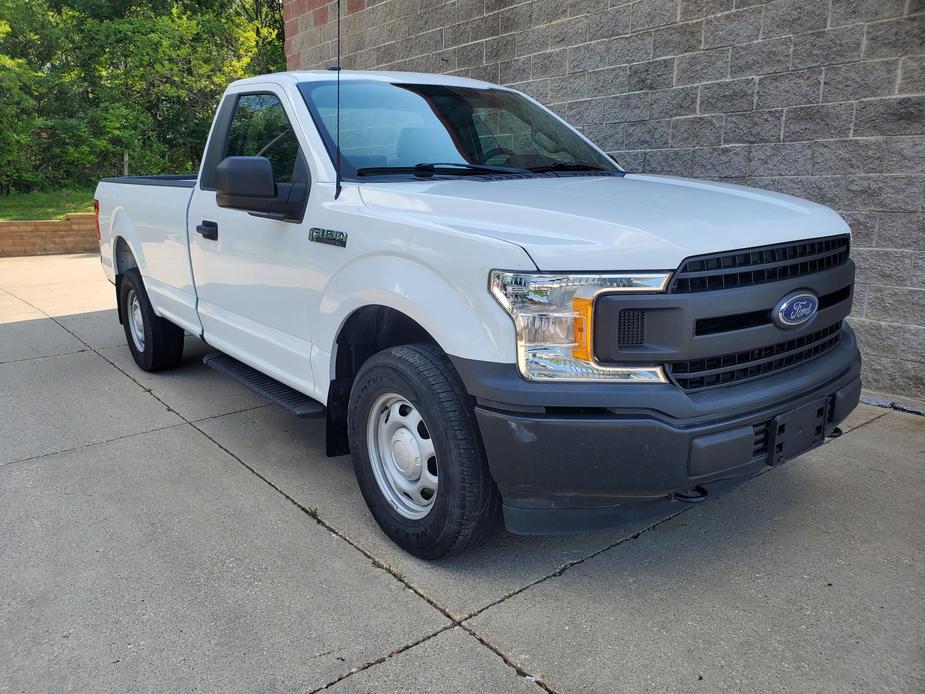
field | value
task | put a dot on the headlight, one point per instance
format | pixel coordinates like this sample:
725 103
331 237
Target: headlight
553 315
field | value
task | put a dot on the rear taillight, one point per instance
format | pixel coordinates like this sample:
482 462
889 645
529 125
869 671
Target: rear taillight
96 214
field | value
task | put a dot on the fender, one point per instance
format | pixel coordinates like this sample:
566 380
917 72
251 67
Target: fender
465 324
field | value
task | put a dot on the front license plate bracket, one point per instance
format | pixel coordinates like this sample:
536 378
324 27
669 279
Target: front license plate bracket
797 431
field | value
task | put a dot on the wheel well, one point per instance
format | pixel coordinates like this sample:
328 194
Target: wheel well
124 260
367 330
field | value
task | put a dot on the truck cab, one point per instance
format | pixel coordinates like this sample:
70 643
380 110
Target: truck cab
493 317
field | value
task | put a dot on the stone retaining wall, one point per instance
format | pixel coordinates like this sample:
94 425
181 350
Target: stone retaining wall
76 233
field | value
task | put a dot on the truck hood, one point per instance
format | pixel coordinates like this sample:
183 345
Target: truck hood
632 222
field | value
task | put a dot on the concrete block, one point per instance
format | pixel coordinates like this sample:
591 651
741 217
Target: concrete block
901 230
853 11
761 57
848 156
860 80
895 38
652 74
666 103
697 131
887 193
647 14
741 26
695 9
912 75
675 162
817 122
789 89
789 158
793 17
827 47
676 39
609 23
704 66
755 126
720 162
728 95
904 115
650 134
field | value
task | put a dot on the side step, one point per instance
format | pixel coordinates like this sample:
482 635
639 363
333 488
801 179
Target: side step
279 393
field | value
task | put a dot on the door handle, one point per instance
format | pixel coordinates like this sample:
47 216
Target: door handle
209 230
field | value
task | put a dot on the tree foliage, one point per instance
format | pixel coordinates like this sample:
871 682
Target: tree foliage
85 83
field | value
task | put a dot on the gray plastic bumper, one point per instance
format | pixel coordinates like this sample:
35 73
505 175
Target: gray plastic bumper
591 457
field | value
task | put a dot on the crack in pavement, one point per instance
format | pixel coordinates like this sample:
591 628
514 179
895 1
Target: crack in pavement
377 563
44 356
90 445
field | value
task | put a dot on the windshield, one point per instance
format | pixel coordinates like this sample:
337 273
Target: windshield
391 128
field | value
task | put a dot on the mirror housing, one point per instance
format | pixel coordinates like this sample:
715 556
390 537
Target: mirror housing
246 184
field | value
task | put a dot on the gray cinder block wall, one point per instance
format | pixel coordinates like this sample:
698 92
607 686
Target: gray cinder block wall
824 99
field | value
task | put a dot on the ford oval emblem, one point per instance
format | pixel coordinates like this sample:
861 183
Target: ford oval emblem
795 309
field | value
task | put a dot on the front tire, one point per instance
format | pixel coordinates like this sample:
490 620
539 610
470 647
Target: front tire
156 344
418 455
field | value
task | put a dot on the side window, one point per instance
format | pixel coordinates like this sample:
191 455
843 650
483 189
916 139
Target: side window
260 128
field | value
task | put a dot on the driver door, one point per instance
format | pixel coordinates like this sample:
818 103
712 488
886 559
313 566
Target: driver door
252 273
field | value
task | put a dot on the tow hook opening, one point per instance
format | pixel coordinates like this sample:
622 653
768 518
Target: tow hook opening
692 496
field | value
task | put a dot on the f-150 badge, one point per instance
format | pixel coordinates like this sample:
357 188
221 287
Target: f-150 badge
328 236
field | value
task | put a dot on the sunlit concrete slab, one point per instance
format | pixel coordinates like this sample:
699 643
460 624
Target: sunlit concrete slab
63 402
158 563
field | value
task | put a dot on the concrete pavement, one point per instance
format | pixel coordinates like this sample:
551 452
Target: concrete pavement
173 532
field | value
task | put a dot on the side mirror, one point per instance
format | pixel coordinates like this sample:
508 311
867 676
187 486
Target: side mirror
244 177
246 183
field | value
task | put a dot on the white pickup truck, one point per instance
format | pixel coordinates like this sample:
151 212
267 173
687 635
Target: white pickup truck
489 312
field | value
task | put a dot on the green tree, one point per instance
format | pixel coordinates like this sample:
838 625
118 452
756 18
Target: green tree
95 82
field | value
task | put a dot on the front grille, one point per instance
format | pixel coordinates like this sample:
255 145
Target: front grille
751 319
631 327
759 265
736 367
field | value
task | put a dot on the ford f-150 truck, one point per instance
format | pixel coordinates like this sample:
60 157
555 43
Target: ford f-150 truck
492 316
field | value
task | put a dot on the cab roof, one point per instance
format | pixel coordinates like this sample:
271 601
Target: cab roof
366 75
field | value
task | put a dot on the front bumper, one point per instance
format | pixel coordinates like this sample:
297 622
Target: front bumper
577 457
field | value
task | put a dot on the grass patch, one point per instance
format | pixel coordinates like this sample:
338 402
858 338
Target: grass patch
47 205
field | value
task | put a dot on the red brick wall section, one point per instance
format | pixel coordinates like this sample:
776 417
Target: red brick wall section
74 234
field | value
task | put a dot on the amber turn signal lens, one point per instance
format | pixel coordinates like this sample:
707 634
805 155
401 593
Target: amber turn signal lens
582 330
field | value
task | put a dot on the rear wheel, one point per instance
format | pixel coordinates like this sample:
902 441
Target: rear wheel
156 344
417 453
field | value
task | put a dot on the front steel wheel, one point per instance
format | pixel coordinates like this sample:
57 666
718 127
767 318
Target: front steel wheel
402 456
417 452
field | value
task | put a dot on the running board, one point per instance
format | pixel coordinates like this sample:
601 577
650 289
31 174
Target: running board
279 393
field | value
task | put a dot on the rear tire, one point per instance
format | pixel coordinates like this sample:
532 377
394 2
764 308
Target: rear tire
418 455
156 344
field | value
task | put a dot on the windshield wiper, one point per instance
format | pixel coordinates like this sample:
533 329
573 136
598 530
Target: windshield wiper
568 166
439 168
